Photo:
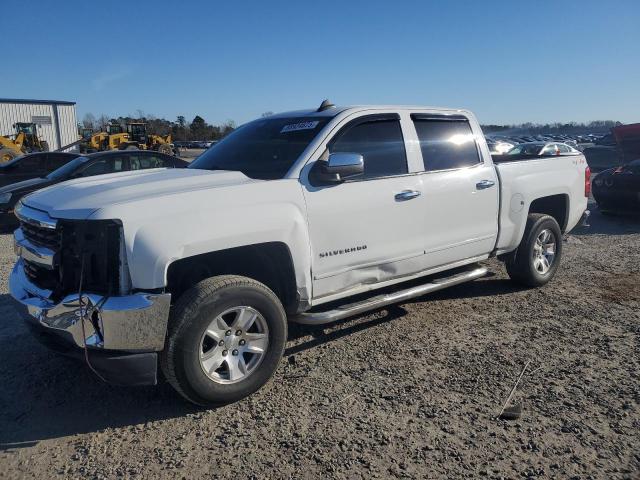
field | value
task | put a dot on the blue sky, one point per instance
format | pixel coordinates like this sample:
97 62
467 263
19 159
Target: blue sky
509 61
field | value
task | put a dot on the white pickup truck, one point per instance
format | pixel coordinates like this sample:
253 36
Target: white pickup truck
198 270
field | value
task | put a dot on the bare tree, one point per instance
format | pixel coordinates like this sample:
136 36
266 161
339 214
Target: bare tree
89 121
102 122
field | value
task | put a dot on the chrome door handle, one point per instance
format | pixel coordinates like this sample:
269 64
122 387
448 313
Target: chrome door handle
485 184
406 195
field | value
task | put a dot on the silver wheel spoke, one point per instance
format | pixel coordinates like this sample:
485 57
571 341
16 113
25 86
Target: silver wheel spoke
256 342
544 251
545 264
215 334
244 320
536 264
220 324
212 360
237 367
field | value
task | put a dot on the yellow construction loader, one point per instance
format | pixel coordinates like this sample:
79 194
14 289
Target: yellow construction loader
112 139
25 140
135 138
138 138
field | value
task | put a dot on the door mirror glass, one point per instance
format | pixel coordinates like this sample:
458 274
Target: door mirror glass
340 167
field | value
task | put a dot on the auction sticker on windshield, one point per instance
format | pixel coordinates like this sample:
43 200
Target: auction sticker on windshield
299 126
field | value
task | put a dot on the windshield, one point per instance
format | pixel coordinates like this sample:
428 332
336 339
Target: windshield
525 149
264 149
67 169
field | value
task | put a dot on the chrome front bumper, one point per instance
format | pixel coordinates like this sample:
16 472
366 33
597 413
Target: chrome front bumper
136 322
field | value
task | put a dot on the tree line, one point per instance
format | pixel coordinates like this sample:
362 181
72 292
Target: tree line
180 129
596 126
199 129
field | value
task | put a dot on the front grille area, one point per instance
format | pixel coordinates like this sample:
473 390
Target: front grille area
90 246
45 237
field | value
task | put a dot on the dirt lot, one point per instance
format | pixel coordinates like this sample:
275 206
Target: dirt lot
410 391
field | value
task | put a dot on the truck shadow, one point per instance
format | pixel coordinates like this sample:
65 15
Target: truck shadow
320 334
46 396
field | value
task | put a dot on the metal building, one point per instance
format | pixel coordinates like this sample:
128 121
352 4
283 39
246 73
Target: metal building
56 120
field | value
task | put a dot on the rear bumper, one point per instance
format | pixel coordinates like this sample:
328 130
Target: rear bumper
123 334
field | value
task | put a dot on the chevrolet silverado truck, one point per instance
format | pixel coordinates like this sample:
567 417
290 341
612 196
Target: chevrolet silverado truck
309 216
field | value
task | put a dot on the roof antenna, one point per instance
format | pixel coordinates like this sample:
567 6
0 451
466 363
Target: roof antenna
325 105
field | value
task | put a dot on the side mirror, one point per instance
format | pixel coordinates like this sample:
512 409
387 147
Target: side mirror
339 167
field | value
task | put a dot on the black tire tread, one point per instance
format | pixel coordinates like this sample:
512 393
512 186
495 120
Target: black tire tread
184 309
517 265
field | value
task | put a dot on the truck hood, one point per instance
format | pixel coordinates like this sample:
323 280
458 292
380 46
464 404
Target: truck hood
78 199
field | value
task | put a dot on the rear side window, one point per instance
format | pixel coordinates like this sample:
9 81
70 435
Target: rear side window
142 162
446 143
381 144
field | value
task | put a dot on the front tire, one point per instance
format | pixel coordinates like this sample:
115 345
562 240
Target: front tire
225 340
537 258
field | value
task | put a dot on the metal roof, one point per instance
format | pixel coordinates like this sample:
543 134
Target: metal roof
41 102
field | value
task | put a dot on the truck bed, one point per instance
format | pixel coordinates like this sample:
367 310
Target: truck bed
522 180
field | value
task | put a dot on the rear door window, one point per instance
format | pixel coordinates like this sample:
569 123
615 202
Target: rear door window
105 165
142 162
381 144
446 143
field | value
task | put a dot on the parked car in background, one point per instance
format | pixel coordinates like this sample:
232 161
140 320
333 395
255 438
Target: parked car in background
607 140
618 189
542 149
33 165
498 147
602 157
99 163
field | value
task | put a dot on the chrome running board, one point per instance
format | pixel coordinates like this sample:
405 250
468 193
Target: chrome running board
349 310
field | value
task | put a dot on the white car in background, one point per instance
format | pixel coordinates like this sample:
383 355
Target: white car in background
498 147
543 149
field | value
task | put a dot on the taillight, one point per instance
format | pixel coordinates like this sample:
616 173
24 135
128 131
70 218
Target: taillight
619 170
587 182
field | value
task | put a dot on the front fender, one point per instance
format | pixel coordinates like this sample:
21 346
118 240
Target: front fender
160 231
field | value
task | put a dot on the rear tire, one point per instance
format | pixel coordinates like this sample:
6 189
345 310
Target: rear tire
209 353
537 258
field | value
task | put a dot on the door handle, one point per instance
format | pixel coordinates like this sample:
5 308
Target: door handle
485 184
406 195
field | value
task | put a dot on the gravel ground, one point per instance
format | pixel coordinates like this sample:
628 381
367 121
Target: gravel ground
409 391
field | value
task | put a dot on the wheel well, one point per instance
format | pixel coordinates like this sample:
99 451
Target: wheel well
556 206
268 263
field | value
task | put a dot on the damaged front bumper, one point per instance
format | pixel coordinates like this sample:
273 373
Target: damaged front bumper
123 333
